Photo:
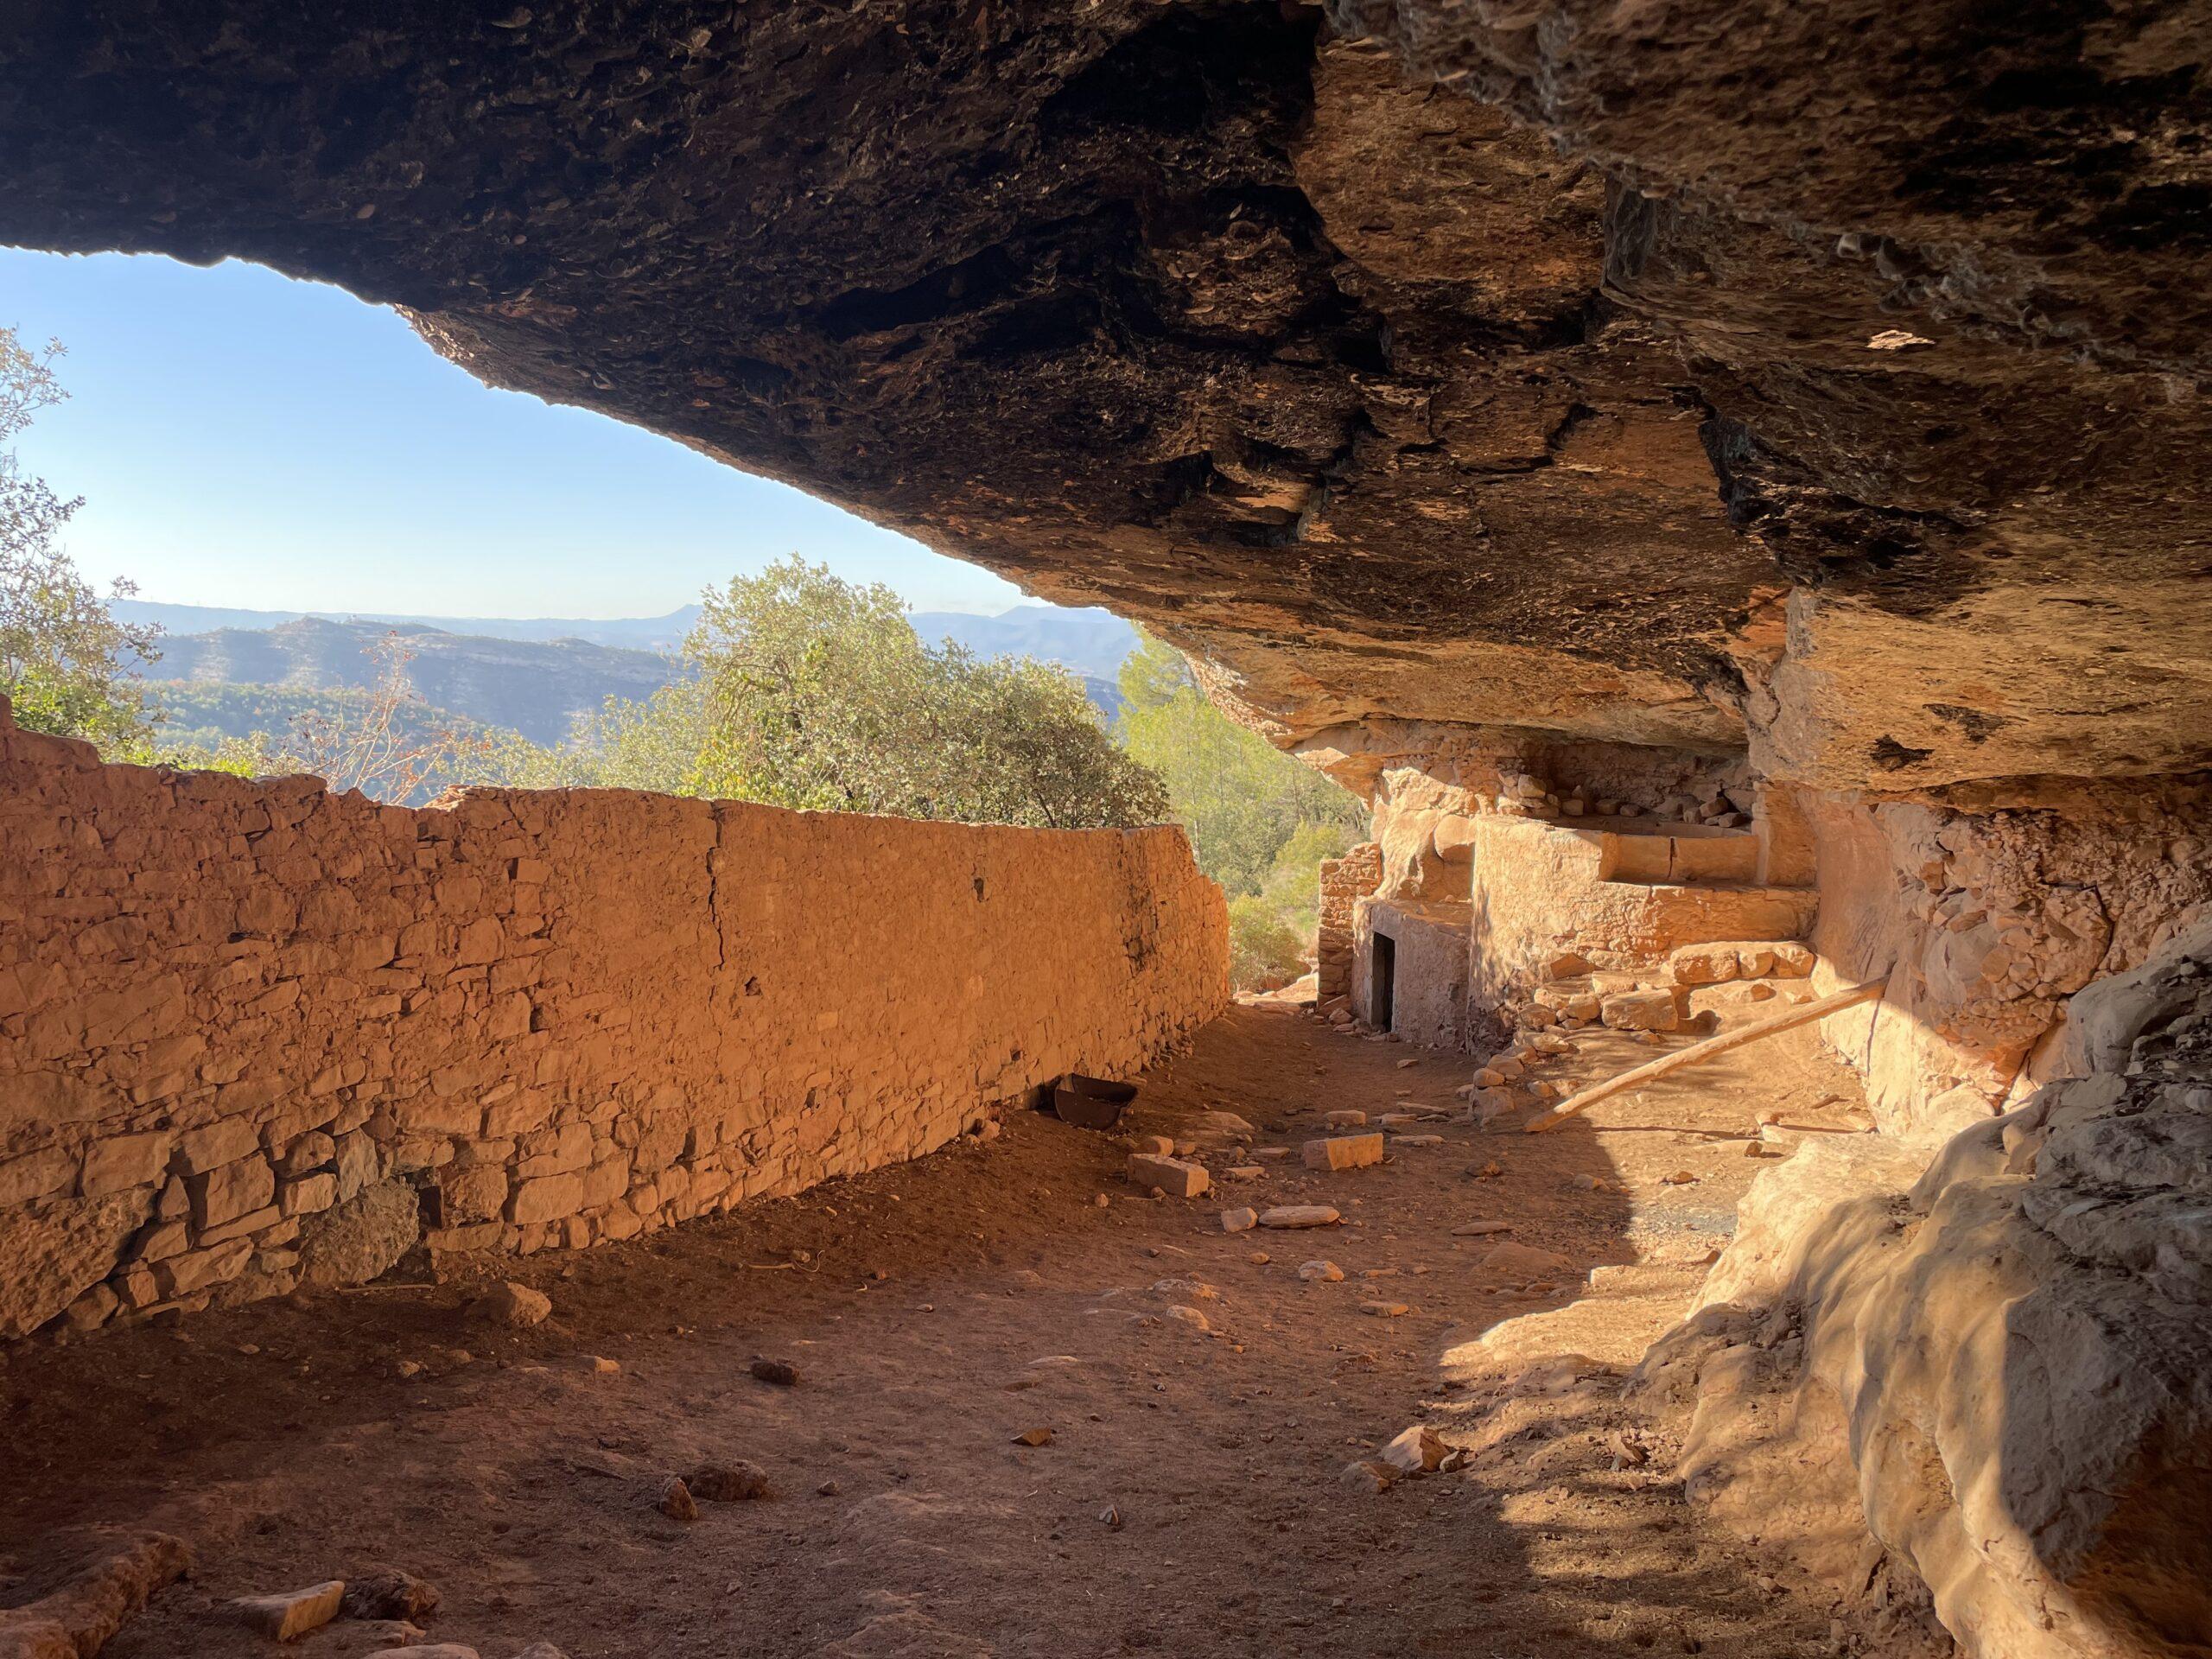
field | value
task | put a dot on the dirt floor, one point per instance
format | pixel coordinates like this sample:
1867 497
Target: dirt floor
1191 1498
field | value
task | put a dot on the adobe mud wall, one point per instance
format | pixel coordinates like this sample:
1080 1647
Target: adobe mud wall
254 1033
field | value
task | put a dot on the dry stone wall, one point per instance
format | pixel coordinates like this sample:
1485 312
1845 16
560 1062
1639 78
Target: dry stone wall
1344 882
253 1033
1543 892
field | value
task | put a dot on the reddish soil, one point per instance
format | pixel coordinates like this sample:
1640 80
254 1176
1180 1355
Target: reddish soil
1191 1499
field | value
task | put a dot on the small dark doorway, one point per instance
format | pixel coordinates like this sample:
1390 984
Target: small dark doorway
1382 987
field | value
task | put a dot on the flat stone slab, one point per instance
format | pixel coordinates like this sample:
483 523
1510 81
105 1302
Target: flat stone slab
289 1613
1298 1215
1176 1176
1344 1152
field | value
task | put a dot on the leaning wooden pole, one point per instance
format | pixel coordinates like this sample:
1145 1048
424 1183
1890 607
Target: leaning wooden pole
1803 1014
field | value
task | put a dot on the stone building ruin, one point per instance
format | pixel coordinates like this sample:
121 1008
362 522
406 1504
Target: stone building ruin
1725 484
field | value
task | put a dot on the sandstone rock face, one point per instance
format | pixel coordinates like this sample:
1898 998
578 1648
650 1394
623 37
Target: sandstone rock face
54 1250
253 1033
2002 1364
363 1238
1853 418
1985 919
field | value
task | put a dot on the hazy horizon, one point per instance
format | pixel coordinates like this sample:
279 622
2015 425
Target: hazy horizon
1022 602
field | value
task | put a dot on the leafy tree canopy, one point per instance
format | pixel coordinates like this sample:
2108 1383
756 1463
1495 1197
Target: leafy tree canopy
814 692
1260 823
65 663
1241 798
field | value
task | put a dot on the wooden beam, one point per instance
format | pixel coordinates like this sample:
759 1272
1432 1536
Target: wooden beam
1803 1014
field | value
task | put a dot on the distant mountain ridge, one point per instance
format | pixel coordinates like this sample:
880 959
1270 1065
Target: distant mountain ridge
536 688
536 678
629 633
1090 641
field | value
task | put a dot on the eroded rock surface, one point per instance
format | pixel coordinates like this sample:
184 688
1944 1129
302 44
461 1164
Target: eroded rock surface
2002 1366
1647 379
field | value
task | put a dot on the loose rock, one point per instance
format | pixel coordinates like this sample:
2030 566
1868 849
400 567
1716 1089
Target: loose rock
288 1614
1369 1476
1298 1215
730 1483
1176 1176
676 1501
1518 1263
1327 1273
1344 1152
389 1592
1239 1221
1417 1451
781 1372
518 1305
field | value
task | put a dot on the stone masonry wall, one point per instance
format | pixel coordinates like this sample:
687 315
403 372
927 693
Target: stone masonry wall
1344 882
257 1033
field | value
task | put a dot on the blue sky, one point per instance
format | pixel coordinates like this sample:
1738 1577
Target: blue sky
241 438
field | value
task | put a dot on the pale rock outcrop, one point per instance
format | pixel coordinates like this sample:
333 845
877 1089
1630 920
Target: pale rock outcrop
2001 1366
362 1238
54 1250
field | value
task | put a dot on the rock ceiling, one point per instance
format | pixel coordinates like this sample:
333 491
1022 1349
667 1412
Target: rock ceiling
1825 376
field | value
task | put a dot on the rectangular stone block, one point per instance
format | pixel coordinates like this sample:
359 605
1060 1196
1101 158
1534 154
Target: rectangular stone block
1733 857
245 1226
1174 1176
311 1194
311 1150
35 1174
195 1270
170 1238
230 1191
1705 964
1654 1010
225 1141
1344 1152
466 1238
124 1161
550 1198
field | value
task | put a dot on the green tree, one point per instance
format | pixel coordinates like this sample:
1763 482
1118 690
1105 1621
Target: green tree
1259 822
810 691
66 665
1240 798
652 743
